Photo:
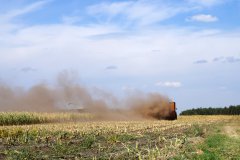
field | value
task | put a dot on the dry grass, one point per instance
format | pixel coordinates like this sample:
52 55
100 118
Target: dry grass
146 139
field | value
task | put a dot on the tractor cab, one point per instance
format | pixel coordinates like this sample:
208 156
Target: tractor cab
172 111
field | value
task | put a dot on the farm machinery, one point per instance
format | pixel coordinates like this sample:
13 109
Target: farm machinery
172 112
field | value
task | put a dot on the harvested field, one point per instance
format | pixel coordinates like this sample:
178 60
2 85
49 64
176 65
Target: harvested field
143 139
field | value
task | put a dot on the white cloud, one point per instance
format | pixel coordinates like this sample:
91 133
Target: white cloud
140 12
207 3
71 46
171 84
88 49
70 19
203 18
6 24
144 13
62 46
109 8
18 12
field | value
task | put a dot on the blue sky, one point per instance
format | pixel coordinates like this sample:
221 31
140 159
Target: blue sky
188 50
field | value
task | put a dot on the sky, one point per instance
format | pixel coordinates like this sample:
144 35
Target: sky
188 50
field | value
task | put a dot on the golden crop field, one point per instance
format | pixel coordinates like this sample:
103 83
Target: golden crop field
21 118
79 136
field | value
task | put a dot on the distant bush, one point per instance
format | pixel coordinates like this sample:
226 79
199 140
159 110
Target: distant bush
231 110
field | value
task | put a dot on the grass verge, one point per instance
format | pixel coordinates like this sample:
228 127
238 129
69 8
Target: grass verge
217 145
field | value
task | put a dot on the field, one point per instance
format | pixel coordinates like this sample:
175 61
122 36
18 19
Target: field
80 136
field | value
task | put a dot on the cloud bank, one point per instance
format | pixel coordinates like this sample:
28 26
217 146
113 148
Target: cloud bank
123 35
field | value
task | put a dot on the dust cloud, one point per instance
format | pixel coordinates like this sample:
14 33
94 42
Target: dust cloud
68 95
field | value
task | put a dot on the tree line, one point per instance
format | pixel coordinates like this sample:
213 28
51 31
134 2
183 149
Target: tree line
231 110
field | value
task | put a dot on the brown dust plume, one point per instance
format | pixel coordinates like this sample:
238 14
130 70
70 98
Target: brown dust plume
66 95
